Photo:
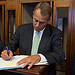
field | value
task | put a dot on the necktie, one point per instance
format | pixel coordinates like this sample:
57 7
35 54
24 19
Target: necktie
35 45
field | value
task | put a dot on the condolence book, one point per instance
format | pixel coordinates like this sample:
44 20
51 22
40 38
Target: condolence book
11 64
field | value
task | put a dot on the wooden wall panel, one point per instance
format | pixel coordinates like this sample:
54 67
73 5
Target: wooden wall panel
3 19
71 36
12 5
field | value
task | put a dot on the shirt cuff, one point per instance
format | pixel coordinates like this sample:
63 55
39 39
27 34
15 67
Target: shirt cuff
43 59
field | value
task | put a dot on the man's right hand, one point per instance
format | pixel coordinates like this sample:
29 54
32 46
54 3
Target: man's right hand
5 56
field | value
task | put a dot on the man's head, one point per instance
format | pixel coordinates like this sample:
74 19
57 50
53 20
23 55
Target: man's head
41 16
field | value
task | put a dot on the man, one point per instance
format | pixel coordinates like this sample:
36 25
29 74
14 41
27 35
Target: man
1 45
50 46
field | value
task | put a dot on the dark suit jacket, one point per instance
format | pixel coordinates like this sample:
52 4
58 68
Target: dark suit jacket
73 65
50 44
1 45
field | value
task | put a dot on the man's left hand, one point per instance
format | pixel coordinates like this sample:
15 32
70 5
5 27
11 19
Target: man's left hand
29 60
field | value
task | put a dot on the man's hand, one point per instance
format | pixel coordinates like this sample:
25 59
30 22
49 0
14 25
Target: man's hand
29 60
5 56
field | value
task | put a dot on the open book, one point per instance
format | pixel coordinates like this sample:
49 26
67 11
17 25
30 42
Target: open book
11 64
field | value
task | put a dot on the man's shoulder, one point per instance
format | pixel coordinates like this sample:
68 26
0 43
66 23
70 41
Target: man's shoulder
54 29
26 25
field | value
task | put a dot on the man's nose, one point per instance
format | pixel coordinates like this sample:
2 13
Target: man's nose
37 24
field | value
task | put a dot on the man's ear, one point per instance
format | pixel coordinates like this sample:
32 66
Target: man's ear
33 12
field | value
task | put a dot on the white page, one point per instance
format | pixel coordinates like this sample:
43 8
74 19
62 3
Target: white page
10 64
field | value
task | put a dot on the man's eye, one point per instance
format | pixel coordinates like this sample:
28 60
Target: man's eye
42 22
36 20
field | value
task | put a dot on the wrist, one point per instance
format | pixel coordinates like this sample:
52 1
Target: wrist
39 58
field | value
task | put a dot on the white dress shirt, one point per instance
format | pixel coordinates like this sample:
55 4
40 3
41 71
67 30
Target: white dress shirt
43 59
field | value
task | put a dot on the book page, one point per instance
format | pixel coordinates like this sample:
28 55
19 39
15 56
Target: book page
11 64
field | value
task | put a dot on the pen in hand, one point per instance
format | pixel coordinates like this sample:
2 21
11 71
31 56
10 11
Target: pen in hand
7 51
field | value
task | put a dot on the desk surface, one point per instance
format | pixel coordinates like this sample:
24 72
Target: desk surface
35 70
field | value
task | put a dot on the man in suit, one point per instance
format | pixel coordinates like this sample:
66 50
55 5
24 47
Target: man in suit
50 46
1 45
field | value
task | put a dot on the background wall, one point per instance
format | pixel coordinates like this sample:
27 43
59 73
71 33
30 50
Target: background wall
0 20
27 14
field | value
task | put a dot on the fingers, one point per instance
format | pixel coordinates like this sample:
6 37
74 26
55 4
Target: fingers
23 61
5 56
20 62
30 65
30 60
11 54
26 63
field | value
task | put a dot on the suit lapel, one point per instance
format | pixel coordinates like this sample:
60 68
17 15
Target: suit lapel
44 40
29 39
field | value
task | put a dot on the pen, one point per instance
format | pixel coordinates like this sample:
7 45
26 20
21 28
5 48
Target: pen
7 51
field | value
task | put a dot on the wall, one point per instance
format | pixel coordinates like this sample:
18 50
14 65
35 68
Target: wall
71 36
0 20
27 14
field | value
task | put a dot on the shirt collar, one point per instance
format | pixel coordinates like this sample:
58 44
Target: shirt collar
39 31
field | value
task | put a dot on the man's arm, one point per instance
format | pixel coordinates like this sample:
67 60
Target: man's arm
1 45
56 54
13 44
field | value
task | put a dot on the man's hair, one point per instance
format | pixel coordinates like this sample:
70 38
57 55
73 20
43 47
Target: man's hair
44 8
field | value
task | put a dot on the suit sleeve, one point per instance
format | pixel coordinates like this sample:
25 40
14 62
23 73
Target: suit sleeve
1 45
13 44
56 53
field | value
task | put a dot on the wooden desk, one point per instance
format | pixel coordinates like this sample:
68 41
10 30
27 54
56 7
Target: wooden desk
35 70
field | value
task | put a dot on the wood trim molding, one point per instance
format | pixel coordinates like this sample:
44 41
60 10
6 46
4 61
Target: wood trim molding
71 36
3 19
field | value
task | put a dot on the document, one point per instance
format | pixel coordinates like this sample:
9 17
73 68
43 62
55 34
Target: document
11 64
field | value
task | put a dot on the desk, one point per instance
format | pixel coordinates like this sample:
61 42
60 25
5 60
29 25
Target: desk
35 70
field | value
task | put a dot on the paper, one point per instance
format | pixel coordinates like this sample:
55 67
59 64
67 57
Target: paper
11 64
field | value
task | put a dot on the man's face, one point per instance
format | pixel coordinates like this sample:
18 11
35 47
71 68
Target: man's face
39 21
